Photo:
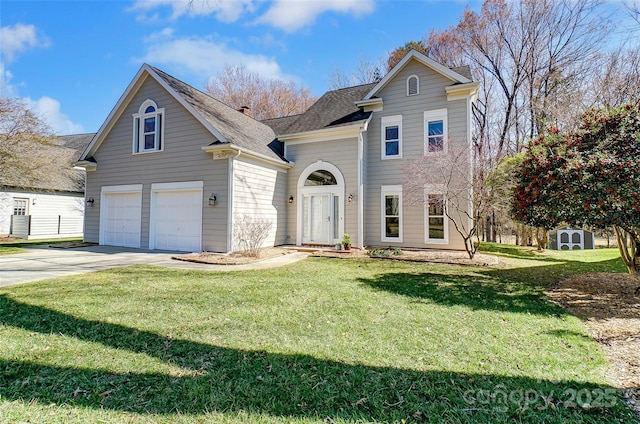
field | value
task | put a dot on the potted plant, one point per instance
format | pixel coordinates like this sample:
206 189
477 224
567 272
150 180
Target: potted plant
346 241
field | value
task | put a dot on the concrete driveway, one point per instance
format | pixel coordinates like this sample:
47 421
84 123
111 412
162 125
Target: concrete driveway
41 262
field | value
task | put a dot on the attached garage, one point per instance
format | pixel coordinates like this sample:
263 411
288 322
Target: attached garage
176 216
121 215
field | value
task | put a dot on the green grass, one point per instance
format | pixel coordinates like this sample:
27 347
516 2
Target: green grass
15 246
323 340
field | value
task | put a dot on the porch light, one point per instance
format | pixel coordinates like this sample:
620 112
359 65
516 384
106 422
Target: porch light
350 198
291 199
212 199
90 202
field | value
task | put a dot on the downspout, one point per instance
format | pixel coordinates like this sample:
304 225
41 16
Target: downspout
230 218
361 176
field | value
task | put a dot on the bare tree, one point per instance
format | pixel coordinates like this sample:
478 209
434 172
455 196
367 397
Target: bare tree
267 98
29 154
365 72
464 190
250 233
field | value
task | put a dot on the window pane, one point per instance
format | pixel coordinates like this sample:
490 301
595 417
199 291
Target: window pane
149 125
436 228
320 177
150 109
436 144
391 148
392 205
391 133
392 227
436 205
436 128
149 141
336 217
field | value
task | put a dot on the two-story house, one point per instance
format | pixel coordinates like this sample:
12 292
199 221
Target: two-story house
174 169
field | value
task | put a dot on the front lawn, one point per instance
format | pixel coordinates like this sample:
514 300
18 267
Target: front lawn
323 340
11 246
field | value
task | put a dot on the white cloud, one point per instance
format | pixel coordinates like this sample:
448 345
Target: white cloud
49 110
203 56
19 38
224 10
292 15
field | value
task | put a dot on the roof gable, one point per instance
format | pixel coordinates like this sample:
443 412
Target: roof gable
227 125
455 77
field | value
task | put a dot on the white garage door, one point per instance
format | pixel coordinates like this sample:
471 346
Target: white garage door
121 219
177 220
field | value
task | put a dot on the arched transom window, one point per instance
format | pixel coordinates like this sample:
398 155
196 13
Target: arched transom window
148 128
320 178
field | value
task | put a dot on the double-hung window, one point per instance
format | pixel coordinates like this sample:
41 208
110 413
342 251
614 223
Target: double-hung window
436 228
391 197
391 137
148 128
435 131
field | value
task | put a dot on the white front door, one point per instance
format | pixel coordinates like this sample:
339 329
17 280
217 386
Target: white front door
318 218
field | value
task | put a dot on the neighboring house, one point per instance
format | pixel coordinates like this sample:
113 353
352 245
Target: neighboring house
172 168
48 206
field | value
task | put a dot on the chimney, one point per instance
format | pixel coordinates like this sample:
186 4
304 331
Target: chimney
246 110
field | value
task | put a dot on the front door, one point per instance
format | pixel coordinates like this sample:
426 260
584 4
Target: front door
317 218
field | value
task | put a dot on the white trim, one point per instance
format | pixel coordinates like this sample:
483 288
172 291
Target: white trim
230 213
417 85
389 121
360 199
335 190
224 151
138 128
182 185
435 190
121 188
436 115
427 61
462 91
390 191
324 134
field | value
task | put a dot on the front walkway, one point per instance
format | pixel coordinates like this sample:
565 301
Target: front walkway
42 262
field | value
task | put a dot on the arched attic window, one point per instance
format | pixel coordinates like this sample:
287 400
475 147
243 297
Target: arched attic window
148 128
413 85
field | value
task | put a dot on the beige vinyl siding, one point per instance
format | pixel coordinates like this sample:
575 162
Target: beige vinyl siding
431 96
182 160
341 153
259 191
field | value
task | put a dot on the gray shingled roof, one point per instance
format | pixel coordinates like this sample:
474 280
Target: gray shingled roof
61 176
464 70
334 108
238 128
280 125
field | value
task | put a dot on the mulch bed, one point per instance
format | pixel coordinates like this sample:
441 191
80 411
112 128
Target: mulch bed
431 256
237 258
609 304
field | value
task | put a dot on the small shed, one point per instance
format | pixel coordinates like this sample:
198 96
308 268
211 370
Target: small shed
568 238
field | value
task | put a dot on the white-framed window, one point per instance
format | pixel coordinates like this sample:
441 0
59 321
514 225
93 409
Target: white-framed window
435 131
413 85
20 206
436 223
391 137
148 128
391 198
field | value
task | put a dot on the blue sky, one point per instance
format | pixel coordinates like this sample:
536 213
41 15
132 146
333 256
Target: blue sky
71 60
